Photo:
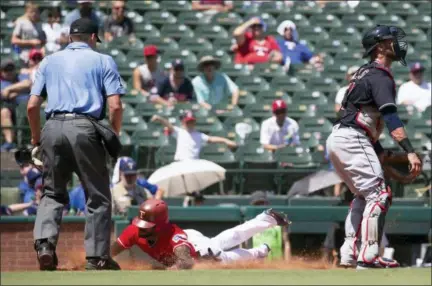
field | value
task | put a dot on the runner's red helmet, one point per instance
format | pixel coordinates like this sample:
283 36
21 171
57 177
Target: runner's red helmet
151 213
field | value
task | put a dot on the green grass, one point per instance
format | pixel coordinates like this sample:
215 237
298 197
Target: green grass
404 276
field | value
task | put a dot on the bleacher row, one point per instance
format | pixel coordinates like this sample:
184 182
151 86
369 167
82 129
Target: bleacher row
179 32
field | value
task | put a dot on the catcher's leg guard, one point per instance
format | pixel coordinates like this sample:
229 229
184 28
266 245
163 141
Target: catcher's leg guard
350 248
377 205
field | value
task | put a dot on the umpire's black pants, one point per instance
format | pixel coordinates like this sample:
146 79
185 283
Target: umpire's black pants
71 144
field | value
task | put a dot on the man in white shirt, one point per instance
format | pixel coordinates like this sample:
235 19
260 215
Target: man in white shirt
279 130
341 93
189 140
417 91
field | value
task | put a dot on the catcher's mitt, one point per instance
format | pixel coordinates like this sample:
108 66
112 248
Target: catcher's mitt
29 156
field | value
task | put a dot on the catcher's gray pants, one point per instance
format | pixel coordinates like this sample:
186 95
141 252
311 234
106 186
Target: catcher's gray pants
356 162
73 145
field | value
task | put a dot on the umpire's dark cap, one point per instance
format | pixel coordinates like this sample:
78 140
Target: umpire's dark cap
84 26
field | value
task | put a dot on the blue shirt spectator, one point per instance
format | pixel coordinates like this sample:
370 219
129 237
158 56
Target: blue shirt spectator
84 10
27 186
294 52
66 75
9 77
77 200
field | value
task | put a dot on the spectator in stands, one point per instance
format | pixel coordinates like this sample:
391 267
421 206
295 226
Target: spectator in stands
213 87
253 47
128 192
148 75
417 91
9 77
28 32
189 140
35 199
118 24
341 92
13 208
53 31
212 6
280 130
293 52
84 10
174 88
194 199
27 185
276 238
35 57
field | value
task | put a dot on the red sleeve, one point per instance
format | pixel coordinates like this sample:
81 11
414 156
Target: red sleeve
180 238
244 48
128 237
273 44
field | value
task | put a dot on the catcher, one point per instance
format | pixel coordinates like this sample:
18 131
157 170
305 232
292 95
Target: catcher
174 248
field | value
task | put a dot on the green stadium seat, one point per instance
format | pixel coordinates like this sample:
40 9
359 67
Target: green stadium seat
316 125
338 8
299 110
118 56
421 125
196 44
319 158
268 96
274 7
299 19
289 85
144 31
336 72
387 141
143 6
315 97
10 195
165 155
179 109
211 32
159 17
175 6
423 47
10 178
425 8
252 83
235 70
327 21
245 7
227 19
258 111
313 33
224 110
192 18
330 46
14 12
307 8
223 43
126 142
327 111
269 70
360 21
371 8
219 154
401 8
209 124
163 43
294 157
418 139
391 20
185 55
421 22
427 113
231 122
253 137
406 112
245 98
145 144
131 123
147 110
177 31
220 54
324 84
348 55
346 34
415 35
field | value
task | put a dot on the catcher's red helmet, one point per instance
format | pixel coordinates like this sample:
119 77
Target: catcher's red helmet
151 213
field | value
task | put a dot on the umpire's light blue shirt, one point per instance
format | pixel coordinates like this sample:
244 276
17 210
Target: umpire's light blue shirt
77 80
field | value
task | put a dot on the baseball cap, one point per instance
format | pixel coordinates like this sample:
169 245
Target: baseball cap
151 50
7 64
35 54
177 64
278 104
128 166
188 116
257 197
417 66
84 26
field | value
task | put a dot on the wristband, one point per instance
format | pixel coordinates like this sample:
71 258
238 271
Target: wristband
406 145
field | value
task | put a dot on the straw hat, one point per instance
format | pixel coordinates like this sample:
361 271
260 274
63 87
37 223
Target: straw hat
208 59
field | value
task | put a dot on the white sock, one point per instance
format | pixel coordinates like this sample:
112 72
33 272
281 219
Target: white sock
241 254
235 236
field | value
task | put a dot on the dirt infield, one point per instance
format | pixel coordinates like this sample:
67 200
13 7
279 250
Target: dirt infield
76 262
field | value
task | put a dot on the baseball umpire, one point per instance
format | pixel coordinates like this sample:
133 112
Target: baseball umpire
78 83
356 153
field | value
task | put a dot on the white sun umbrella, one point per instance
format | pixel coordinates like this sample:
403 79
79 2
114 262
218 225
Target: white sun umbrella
179 178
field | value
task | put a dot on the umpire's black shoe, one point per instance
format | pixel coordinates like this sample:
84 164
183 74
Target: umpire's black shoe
280 218
102 263
46 256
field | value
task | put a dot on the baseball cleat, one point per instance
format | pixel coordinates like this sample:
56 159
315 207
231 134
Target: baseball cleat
348 264
380 262
46 257
105 263
281 218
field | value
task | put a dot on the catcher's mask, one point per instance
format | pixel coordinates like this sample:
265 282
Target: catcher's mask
381 32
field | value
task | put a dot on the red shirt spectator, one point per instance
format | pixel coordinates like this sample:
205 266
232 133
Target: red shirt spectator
254 47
